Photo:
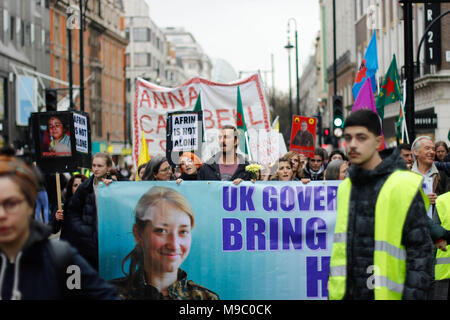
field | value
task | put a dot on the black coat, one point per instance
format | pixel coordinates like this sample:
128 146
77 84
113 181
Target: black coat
63 225
366 186
210 169
313 175
34 273
82 217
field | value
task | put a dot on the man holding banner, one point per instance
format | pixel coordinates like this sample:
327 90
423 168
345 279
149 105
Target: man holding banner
226 165
381 248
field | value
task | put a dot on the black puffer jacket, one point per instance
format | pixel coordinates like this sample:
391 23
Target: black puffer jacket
366 186
313 175
210 170
82 217
34 274
63 225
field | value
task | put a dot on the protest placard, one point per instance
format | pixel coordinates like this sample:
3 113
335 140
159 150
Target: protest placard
218 103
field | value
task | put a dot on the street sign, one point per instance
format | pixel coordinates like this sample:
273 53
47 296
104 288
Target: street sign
433 37
425 121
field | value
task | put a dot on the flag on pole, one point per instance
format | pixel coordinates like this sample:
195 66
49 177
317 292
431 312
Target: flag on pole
401 123
197 108
368 67
144 156
241 126
276 124
390 89
365 100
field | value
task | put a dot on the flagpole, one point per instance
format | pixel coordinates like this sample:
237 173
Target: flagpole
248 146
402 105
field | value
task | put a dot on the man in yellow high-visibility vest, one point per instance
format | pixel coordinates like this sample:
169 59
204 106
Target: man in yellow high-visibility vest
440 289
382 247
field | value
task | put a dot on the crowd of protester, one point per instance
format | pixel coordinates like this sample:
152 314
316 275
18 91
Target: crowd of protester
76 221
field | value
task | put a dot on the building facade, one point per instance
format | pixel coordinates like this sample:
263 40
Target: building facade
146 55
24 66
104 45
356 21
195 62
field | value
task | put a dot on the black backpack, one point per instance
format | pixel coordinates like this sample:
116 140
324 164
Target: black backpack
61 255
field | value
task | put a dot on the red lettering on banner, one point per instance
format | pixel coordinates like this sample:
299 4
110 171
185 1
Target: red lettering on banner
208 118
193 95
180 101
161 120
250 115
162 101
235 116
145 97
148 140
162 144
141 120
220 119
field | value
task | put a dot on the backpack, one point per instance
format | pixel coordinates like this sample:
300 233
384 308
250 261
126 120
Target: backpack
61 255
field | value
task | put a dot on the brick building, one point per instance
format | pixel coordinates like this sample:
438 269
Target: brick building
104 45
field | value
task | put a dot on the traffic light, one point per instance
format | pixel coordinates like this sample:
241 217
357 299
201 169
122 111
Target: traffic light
327 136
51 99
338 116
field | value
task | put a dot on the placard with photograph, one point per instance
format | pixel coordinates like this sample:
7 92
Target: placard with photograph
62 140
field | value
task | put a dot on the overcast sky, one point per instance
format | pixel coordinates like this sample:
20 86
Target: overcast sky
246 32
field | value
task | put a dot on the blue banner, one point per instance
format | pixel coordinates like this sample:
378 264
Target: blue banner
261 241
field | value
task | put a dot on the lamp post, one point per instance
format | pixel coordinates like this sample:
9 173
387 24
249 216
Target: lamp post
296 62
289 46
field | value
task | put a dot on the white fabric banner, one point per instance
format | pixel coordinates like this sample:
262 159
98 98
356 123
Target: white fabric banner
219 101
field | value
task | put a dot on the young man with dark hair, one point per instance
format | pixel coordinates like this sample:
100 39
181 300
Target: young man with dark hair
314 169
227 164
406 153
382 248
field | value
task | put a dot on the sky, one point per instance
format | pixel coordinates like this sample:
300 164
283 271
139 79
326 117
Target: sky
246 32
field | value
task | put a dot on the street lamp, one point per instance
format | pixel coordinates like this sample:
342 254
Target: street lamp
289 46
296 62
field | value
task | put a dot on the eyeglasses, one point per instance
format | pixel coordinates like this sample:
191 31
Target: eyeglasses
11 205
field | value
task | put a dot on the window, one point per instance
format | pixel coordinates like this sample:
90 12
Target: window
32 33
142 59
18 26
127 60
97 123
127 33
22 33
56 68
12 28
5 21
2 98
38 37
28 35
43 38
141 34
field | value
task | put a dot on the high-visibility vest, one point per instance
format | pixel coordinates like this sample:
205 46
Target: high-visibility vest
442 268
389 256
